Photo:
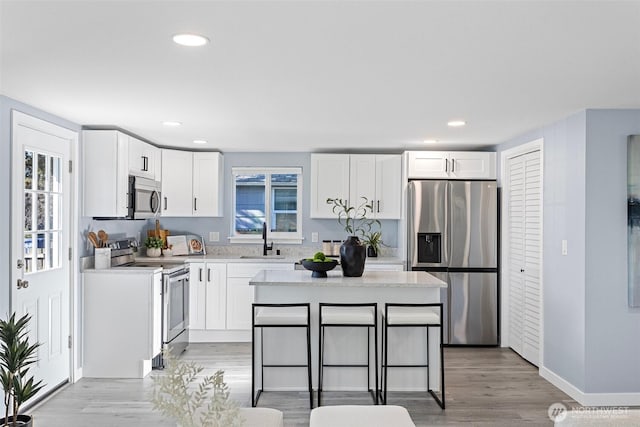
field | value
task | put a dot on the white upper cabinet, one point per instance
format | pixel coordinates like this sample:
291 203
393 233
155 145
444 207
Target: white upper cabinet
377 177
329 179
388 186
208 169
106 173
353 176
144 159
191 183
451 164
177 187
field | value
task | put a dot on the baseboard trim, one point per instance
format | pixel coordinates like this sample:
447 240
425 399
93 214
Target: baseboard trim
590 399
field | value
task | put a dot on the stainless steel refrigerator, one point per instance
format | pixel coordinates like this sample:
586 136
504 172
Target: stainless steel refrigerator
453 234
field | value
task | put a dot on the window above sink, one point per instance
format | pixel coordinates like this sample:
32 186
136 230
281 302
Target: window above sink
267 195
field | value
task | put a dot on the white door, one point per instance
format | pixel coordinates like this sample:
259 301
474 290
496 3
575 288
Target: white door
41 230
524 217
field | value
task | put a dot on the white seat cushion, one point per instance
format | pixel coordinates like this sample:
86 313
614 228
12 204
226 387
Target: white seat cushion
281 316
347 315
360 416
413 316
262 417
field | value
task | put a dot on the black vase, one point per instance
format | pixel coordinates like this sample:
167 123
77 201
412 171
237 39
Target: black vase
23 421
371 252
353 253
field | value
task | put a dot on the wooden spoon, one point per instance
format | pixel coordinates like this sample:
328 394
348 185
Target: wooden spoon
104 237
93 239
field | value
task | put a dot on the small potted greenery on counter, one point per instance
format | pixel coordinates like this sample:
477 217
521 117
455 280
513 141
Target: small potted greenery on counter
373 240
154 246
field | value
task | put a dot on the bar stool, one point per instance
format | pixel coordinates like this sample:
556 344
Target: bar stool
412 316
349 315
278 316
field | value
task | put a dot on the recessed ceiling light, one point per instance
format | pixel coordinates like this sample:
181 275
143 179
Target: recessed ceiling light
199 141
456 123
430 141
172 123
190 39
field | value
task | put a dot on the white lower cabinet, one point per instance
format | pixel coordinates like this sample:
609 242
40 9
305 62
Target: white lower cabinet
240 293
207 296
369 266
220 299
121 343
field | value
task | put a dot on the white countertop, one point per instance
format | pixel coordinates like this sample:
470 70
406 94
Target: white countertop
410 279
124 270
251 260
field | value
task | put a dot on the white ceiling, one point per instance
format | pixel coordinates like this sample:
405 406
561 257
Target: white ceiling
321 75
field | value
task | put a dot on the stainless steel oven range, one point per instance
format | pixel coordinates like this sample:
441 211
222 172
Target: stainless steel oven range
175 297
175 307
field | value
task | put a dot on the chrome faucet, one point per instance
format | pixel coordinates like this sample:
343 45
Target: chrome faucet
265 247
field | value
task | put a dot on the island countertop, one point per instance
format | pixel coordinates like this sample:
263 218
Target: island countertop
406 279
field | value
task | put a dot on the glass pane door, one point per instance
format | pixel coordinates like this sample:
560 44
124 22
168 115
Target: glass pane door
42 211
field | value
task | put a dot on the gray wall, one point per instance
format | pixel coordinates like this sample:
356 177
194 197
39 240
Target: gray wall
326 228
6 106
613 328
588 327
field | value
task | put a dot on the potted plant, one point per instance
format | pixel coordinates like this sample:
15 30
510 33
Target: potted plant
355 222
154 246
373 240
16 356
204 404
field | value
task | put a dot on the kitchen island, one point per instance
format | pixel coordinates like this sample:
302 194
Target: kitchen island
347 345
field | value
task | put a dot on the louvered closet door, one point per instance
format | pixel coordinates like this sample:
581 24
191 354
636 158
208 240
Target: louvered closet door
525 225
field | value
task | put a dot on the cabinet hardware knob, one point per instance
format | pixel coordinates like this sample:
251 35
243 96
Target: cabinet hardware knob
23 284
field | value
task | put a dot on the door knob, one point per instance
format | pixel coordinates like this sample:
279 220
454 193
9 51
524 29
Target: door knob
23 284
522 270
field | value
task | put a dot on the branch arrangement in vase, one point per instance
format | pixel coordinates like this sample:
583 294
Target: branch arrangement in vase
182 394
354 219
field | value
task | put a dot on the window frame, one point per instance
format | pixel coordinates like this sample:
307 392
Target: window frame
276 237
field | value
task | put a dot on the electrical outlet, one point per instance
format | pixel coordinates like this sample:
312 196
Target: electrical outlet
564 247
314 237
214 236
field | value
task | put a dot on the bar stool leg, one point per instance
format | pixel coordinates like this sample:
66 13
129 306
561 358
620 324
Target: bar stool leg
253 367
309 366
385 339
320 362
375 352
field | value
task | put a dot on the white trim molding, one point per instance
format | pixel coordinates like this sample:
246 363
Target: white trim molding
590 399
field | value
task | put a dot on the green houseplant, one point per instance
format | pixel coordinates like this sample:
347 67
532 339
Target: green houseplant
154 246
357 223
373 240
16 356
176 395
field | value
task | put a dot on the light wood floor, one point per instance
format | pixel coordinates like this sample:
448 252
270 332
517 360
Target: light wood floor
484 387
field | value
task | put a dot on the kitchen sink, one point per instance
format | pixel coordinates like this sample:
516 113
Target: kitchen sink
262 257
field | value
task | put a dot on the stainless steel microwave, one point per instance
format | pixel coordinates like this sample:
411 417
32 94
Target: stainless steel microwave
144 198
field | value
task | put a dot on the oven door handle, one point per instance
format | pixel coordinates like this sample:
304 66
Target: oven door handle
179 276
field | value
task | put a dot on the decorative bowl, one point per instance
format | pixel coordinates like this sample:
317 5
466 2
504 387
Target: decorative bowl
319 268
